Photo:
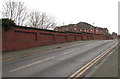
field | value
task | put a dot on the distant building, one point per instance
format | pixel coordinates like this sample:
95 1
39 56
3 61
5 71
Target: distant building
82 27
85 27
100 30
114 35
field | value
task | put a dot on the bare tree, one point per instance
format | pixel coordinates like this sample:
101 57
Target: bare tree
16 11
41 20
34 19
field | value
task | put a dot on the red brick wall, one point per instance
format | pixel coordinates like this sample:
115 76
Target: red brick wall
61 38
21 38
79 37
71 37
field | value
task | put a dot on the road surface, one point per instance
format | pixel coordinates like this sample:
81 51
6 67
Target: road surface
61 62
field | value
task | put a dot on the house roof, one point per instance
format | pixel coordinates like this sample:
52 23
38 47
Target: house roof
84 25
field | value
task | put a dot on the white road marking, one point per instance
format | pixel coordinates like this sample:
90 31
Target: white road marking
69 51
45 59
37 62
31 64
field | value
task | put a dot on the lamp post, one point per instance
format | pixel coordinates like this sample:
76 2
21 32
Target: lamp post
93 32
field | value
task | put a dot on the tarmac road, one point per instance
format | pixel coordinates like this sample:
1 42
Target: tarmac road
56 63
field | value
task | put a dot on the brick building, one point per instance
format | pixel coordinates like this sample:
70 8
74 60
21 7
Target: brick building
114 35
82 27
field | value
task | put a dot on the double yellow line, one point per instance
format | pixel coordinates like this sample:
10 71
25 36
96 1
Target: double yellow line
84 69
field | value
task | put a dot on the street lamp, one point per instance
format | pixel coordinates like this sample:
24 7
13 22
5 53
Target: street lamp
93 32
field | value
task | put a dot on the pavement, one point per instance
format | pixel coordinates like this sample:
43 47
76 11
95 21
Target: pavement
61 62
109 66
10 55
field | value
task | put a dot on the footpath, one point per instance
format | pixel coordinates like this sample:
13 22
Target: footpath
26 52
111 66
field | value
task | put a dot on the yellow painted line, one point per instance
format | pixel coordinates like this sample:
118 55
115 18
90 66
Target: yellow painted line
89 64
7 59
85 66
13 58
94 62
31 64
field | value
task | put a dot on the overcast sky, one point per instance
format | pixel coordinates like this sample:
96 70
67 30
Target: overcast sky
103 13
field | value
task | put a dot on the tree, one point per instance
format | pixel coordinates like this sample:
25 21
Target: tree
7 24
15 11
41 20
